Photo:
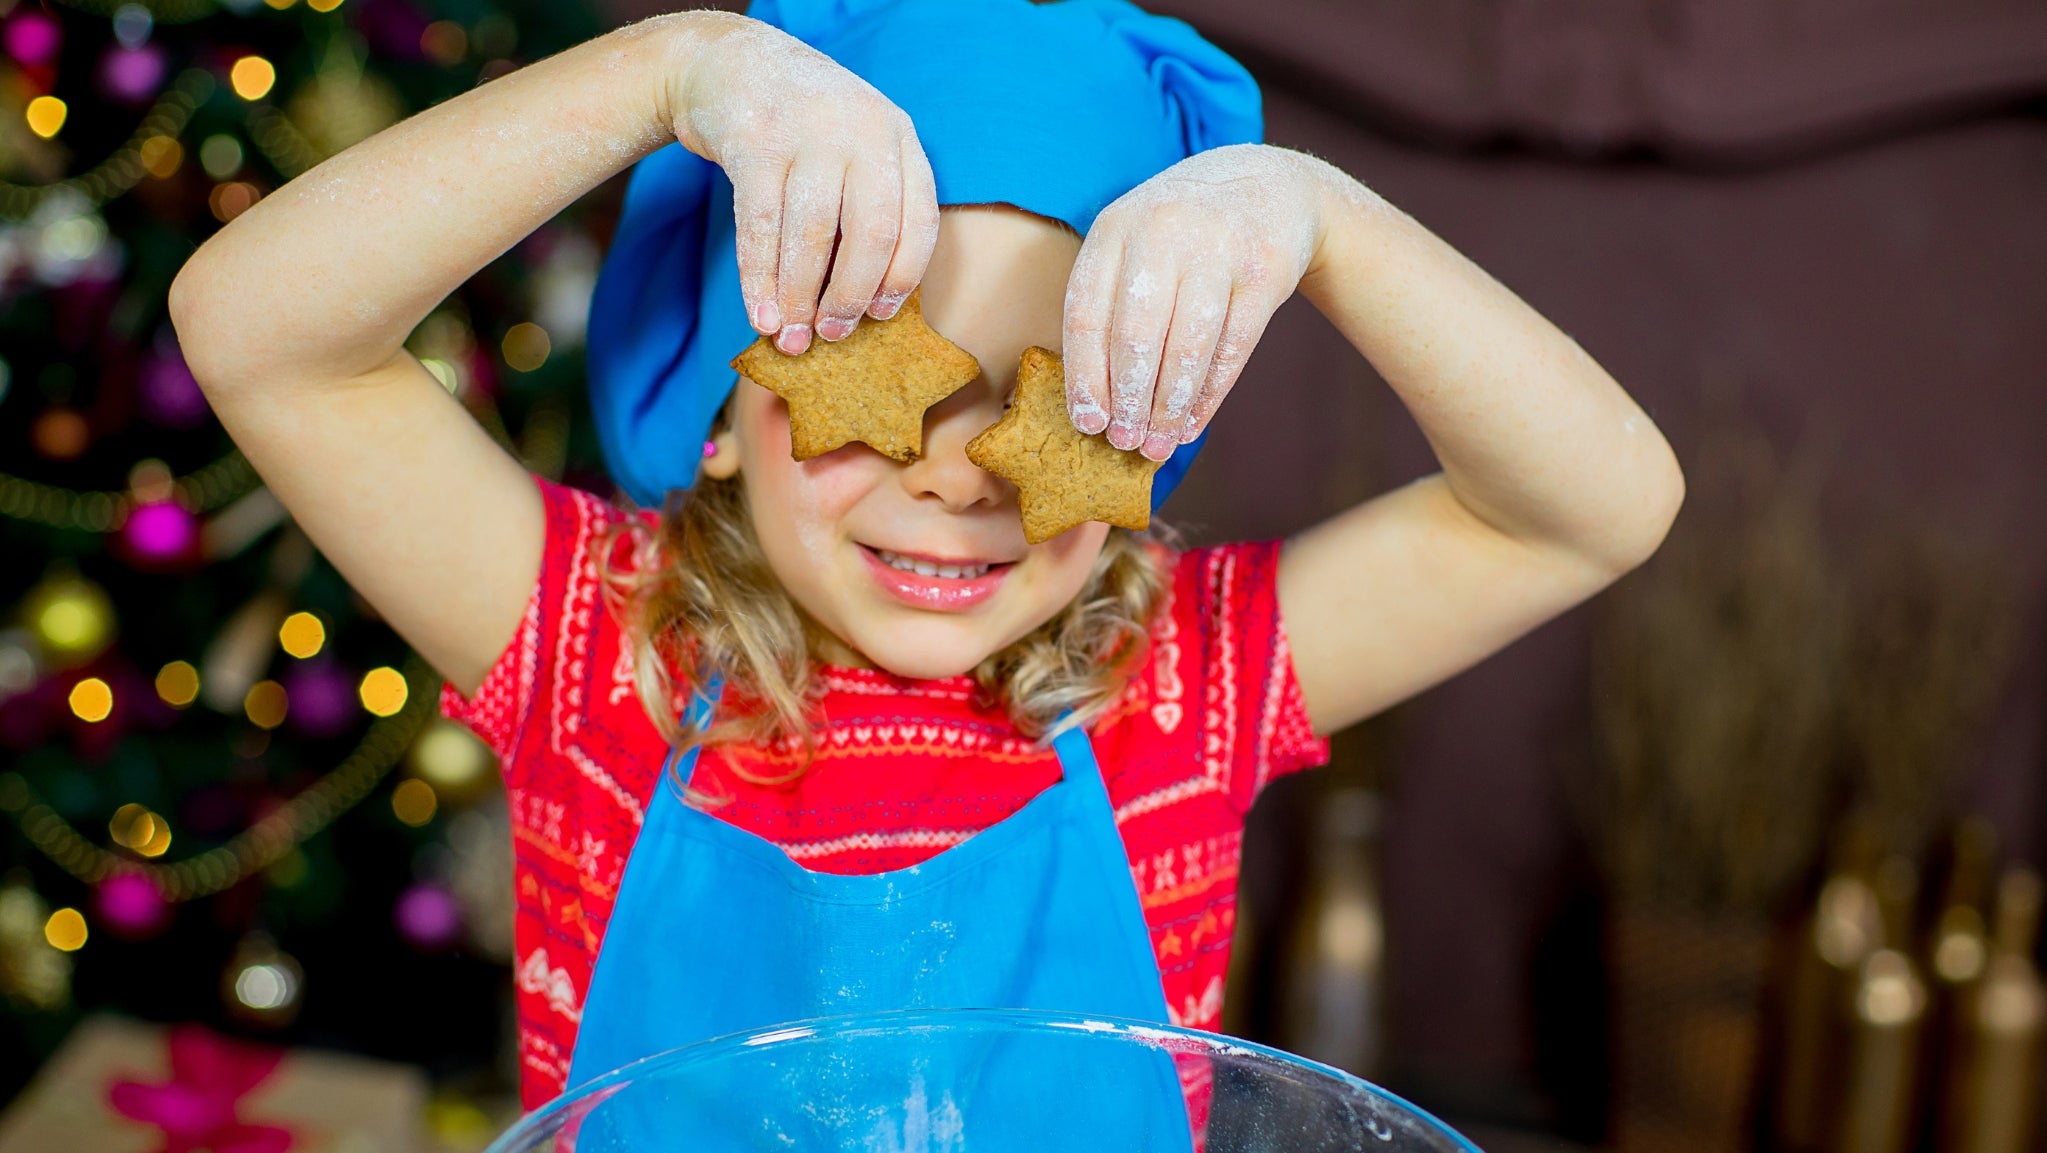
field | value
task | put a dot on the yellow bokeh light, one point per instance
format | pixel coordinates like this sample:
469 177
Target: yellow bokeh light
132 825
72 617
302 634
65 930
383 691
414 802
162 155
280 5
135 827
266 704
323 5
252 77
46 116
92 700
159 838
178 684
526 346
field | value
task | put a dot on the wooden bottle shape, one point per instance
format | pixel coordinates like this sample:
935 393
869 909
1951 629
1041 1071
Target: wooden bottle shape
1960 945
1334 966
1886 1010
1991 1105
1844 928
1957 952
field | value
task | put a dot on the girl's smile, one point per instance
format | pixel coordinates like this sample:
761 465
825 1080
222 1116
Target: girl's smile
938 584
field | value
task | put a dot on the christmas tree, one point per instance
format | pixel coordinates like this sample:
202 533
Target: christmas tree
227 795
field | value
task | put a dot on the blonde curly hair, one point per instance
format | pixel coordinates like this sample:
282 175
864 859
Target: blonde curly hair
698 601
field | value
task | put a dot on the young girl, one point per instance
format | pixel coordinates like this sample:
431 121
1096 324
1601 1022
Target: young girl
922 763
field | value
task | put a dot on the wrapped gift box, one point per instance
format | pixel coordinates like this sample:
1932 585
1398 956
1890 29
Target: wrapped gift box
323 1102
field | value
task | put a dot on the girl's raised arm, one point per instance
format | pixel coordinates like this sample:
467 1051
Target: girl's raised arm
1554 482
294 317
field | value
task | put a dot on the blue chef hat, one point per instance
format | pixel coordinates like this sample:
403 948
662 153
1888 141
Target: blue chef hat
1056 108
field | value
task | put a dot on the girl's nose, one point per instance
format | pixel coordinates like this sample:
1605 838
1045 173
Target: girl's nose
944 473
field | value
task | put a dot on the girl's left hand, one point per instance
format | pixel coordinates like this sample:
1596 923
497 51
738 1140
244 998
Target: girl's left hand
1174 285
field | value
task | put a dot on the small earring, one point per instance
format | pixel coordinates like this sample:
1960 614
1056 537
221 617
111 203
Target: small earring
710 448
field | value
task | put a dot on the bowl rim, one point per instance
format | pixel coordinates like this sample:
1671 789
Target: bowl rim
595 1089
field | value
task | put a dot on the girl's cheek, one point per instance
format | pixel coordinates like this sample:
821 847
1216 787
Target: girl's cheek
825 488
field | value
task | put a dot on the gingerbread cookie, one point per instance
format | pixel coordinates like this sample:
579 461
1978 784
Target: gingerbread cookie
1063 477
872 387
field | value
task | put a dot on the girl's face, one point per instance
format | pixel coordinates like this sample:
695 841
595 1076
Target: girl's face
848 532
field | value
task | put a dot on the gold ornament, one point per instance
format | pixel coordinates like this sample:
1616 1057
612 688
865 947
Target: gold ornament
71 618
450 758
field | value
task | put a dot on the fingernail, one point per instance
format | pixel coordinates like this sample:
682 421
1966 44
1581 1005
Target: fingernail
1089 418
835 328
886 305
1158 446
1123 436
793 339
1189 435
767 316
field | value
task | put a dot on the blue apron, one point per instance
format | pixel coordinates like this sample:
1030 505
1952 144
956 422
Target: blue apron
716 930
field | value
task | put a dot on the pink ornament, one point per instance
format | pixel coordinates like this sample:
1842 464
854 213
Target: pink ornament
132 75
160 532
130 905
32 37
428 917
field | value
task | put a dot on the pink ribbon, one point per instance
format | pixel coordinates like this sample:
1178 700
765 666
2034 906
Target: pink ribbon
196 1108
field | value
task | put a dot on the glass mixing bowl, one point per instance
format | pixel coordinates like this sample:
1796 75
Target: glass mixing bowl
977 1081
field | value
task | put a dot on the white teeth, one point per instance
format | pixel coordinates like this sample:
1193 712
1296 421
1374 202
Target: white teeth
926 568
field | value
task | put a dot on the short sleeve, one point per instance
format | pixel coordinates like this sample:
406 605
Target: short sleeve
565 629
1254 720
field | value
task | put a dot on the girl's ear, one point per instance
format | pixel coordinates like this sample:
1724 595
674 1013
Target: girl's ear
721 455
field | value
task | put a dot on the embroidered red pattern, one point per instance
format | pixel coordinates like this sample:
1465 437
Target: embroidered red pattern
904 769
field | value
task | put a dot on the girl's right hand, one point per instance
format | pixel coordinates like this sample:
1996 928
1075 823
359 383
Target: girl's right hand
816 156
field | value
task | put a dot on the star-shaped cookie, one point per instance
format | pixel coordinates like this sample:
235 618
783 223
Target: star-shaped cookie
1063 477
872 387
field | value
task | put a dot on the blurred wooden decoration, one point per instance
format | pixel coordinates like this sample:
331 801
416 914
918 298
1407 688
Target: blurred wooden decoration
1886 1013
1335 960
1959 947
1928 653
1714 701
1844 927
1687 1035
1713 695
1991 1103
1956 954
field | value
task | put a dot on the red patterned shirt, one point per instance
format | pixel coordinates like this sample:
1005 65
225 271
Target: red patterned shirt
903 770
